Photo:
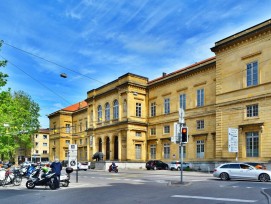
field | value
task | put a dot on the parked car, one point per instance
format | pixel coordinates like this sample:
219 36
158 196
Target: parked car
257 165
176 165
241 171
82 166
156 164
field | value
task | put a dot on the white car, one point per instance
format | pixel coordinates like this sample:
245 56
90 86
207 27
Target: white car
241 171
82 166
176 165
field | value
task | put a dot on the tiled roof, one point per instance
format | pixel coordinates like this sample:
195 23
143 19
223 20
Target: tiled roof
76 106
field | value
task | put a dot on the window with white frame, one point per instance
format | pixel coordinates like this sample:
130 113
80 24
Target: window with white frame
44 152
200 97
153 109
86 123
252 144
100 113
153 151
166 129
200 124
252 110
80 141
45 137
252 74
166 105
115 109
183 101
138 151
107 112
153 131
68 128
44 144
166 151
200 149
67 142
138 109
138 134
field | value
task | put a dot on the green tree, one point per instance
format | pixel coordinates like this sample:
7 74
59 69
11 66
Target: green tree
18 121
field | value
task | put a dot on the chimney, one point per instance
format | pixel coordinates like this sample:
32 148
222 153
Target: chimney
164 74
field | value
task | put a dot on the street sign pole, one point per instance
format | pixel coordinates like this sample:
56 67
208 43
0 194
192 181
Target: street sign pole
181 121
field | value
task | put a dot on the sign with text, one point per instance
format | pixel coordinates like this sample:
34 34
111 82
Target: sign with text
233 139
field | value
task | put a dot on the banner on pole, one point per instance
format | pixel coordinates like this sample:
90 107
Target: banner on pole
233 139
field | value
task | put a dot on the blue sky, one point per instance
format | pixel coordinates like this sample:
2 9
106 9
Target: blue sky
96 41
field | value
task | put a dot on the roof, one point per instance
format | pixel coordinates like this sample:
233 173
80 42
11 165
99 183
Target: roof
76 106
182 69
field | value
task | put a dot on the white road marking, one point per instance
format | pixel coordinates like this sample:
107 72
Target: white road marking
213 198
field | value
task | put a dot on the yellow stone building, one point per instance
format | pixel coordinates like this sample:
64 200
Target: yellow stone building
132 119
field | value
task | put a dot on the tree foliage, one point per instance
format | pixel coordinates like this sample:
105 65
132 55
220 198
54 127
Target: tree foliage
18 121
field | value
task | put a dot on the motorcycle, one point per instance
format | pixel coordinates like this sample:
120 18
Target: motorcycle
113 169
64 180
46 179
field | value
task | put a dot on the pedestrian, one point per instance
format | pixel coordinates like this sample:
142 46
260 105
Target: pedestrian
56 167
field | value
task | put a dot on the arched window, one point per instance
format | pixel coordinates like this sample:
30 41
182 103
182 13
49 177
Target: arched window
100 113
115 109
107 112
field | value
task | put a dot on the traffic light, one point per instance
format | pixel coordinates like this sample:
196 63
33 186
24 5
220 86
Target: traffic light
184 134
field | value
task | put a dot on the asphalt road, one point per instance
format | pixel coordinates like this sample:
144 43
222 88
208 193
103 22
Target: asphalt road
141 186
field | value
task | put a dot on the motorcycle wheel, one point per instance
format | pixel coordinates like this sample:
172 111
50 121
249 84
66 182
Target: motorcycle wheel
65 183
116 170
52 184
17 181
30 184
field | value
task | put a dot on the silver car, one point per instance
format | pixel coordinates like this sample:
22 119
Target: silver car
176 165
241 171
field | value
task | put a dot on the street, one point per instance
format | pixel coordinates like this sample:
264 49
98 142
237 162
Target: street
141 186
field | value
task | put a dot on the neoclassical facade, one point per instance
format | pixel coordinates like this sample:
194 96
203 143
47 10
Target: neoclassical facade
132 118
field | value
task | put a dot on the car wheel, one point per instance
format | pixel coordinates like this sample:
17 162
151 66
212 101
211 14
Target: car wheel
166 168
224 176
148 168
85 169
264 177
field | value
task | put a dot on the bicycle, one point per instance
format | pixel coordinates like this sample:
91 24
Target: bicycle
12 177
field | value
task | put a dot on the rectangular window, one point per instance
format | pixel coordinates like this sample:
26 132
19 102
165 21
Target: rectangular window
200 124
138 109
252 74
44 144
252 144
183 101
167 106
153 109
166 129
200 149
67 142
138 151
45 137
86 125
37 144
37 151
166 151
184 151
68 128
81 141
200 97
37 136
153 151
81 127
252 110
138 134
44 152
153 131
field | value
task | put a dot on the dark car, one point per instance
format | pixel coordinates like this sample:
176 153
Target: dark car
156 164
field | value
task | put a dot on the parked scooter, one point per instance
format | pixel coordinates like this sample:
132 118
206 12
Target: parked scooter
115 169
65 179
44 180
